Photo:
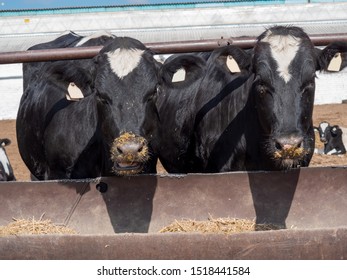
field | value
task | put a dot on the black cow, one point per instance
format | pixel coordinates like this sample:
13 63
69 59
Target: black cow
109 131
261 117
180 80
6 171
334 138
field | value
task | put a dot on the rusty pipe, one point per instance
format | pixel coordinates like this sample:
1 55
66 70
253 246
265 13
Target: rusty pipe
159 48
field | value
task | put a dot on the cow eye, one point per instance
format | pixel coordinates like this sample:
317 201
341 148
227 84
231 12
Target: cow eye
152 95
103 98
307 88
262 90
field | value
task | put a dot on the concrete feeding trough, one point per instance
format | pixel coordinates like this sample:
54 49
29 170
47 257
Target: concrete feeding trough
120 217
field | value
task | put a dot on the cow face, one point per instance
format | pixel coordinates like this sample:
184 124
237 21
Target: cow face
323 129
284 67
126 82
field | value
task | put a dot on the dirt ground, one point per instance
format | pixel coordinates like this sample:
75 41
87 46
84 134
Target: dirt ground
333 113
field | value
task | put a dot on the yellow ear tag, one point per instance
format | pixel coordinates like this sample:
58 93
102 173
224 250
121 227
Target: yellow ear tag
179 76
335 63
232 65
74 93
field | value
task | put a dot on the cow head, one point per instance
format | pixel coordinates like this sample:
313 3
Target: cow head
285 64
125 83
322 130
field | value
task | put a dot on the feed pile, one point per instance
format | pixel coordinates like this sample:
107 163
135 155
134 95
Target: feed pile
32 226
219 225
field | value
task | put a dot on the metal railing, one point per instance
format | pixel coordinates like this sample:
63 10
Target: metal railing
159 48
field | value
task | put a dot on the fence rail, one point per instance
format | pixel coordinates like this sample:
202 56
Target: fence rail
159 48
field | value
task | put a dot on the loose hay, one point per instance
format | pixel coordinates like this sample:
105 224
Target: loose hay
220 225
24 226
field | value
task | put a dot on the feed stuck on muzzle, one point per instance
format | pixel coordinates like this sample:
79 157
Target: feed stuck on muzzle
129 153
289 147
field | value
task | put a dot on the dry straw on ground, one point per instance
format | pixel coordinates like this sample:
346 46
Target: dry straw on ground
32 226
219 225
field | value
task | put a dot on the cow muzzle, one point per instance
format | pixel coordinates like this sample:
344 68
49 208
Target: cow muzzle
129 154
289 150
323 139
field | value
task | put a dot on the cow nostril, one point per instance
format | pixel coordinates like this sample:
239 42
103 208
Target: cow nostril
285 143
141 147
119 150
278 146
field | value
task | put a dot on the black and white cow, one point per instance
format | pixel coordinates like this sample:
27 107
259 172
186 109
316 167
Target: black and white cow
6 171
334 138
259 117
92 117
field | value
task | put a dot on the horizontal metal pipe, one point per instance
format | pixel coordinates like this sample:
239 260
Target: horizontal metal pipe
159 48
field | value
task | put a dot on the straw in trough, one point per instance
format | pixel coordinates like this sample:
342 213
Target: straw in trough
219 225
32 226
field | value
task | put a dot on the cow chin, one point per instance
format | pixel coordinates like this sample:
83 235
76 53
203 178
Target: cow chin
125 169
129 154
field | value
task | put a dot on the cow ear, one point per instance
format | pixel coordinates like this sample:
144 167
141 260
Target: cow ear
182 68
234 58
315 128
334 131
333 57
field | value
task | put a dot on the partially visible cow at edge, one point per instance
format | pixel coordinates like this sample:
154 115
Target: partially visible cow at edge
6 171
258 115
111 130
261 118
334 138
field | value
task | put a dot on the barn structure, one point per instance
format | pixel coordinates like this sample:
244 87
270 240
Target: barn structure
21 29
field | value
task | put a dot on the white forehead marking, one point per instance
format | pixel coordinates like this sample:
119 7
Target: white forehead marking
283 50
124 61
94 36
4 161
323 126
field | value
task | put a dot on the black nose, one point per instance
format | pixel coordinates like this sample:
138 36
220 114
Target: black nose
288 142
